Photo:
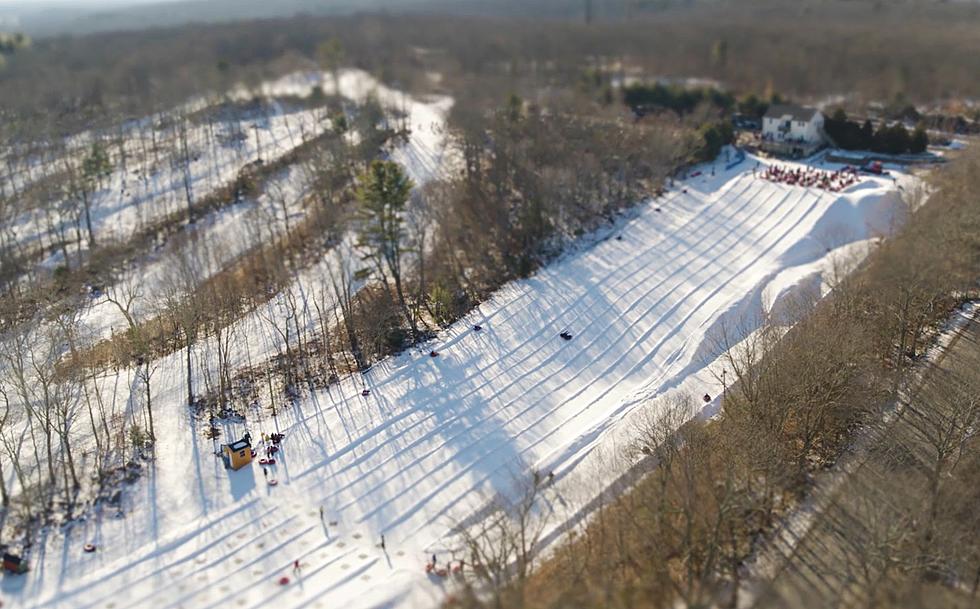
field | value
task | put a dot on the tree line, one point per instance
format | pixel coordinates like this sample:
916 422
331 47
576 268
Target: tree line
887 138
642 98
916 50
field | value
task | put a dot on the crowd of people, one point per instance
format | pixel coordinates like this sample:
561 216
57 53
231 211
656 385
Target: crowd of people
834 181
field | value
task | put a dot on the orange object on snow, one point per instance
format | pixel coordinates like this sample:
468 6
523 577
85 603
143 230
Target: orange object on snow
237 454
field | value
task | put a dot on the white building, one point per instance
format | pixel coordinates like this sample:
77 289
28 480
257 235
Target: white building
791 130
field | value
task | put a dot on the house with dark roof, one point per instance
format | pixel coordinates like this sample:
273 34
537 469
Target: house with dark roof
791 130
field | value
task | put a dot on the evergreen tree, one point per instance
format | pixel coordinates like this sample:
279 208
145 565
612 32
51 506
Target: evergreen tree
515 108
330 54
920 141
867 132
382 192
95 167
719 54
752 106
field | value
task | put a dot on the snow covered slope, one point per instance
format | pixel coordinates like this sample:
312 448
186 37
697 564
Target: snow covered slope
439 435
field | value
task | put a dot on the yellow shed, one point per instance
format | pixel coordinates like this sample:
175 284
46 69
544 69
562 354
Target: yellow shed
237 454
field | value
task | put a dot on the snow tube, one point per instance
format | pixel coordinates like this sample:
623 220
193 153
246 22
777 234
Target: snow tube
433 353
366 392
267 461
706 398
273 482
88 548
283 581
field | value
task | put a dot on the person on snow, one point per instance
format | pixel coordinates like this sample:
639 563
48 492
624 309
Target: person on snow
296 566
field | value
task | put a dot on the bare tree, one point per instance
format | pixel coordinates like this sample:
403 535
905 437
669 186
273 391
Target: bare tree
123 294
945 416
341 278
4 418
502 544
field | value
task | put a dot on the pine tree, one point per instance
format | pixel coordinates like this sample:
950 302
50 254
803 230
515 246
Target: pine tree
382 192
95 167
920 140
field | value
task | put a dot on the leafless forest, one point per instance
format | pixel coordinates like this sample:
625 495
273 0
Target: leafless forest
178 125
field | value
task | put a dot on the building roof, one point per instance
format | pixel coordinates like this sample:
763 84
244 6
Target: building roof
798 113
239 445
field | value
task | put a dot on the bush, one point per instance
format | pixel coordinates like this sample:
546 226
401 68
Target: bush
441 303
714 136
61 273
138 438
